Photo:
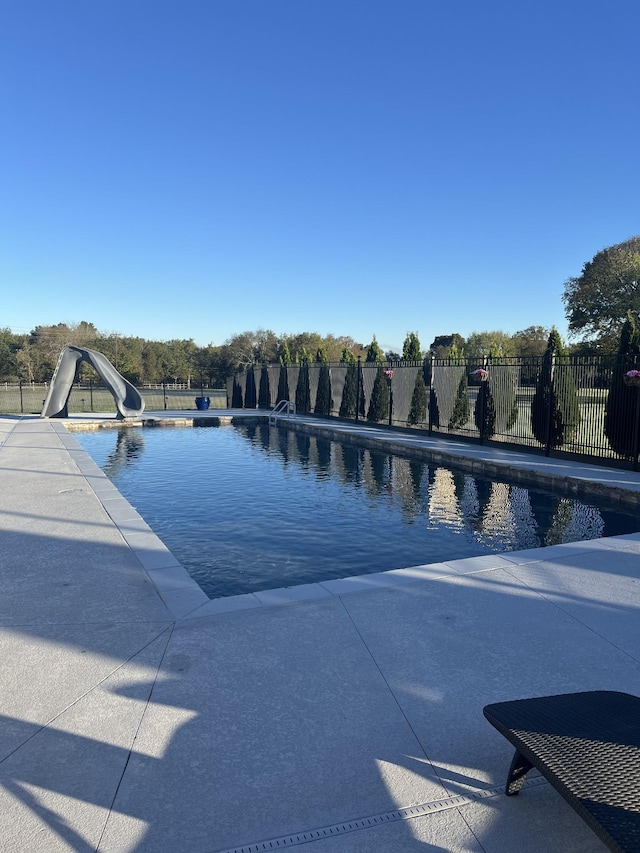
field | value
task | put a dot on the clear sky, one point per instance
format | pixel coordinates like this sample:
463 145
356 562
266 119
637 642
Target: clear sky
198 168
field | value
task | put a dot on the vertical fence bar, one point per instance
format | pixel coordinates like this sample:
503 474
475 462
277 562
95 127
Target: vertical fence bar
358 388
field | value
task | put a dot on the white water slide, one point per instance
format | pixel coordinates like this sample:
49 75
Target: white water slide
129 402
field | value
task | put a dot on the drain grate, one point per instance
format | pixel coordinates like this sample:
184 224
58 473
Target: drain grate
421 810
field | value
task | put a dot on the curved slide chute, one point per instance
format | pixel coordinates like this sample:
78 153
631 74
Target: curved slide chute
129 402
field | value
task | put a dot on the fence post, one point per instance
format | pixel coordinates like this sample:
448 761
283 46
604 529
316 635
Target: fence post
164 393
21 405
91 392
358 390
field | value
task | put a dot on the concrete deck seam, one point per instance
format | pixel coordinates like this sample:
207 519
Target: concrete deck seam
89 690
411 812
389 688
570 615
135 735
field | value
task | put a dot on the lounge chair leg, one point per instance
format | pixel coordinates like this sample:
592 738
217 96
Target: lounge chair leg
518 770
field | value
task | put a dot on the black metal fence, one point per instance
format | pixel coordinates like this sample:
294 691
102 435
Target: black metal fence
29 397
585 407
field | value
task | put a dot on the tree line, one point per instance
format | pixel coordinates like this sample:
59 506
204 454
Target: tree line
32 357
596 303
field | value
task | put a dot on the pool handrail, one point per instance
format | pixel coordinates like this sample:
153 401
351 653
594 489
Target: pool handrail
279 409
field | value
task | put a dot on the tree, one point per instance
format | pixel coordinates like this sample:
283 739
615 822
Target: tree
622 400
597 301
379 403
250 397
411 347
484 411
418 408
283 377
434 411
441 345
303 389
350 390
324 403
479 344
555 414
236 395
531 341
264 390
9 346
461 407
374 353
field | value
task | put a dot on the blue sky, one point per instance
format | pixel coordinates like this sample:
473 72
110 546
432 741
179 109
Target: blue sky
198 168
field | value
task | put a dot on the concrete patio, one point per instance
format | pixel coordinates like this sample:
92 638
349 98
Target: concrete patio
344 716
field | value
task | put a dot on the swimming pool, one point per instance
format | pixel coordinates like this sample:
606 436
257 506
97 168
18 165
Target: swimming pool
249 508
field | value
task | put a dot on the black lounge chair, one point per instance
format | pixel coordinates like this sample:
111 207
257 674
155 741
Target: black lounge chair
587 745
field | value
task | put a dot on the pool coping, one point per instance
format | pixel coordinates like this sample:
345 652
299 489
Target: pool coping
187 601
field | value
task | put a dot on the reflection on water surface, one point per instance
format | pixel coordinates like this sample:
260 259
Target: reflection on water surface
253 508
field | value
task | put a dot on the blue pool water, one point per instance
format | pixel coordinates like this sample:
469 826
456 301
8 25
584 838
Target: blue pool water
252 508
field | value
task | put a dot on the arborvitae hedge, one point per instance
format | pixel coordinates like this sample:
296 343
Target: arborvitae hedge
461 407
418 410
433 410
559 426
303 390
250 390
264 391
379 404
324 403
236 395
283 383
484 411
348 402
620 409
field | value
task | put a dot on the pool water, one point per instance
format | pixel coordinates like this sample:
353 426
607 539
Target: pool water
253 508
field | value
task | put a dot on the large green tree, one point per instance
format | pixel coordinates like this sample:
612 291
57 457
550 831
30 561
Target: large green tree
597 301
531 341
622 401
9 346
496 342
441 345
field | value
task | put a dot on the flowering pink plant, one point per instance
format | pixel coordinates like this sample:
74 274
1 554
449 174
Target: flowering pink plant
388 373
481 374
632 373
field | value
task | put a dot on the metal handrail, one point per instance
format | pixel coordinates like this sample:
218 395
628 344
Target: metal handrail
280 408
